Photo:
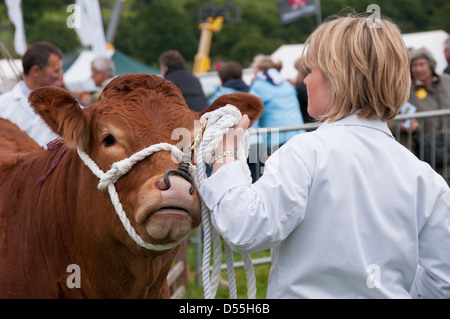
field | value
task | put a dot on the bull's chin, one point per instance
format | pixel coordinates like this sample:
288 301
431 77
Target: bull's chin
169 224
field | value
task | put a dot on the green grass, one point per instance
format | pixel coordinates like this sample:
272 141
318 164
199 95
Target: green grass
261 274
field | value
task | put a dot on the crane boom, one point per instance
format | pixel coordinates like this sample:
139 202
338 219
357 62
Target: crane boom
202 62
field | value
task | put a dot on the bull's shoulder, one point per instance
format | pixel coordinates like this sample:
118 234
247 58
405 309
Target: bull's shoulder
14 145
14 140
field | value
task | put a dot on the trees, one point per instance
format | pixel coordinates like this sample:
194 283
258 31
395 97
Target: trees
148 30
45 20
149 27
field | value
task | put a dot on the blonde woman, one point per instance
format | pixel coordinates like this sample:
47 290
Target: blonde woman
347 210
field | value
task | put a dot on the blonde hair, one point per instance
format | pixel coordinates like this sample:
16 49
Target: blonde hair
366 66
264 62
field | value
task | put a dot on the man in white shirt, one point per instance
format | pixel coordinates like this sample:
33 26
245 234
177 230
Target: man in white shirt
42 66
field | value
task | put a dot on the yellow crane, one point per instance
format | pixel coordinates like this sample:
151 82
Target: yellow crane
202 62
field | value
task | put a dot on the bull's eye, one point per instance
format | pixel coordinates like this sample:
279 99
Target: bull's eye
109 140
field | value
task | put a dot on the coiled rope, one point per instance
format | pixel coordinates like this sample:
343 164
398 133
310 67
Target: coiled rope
219 122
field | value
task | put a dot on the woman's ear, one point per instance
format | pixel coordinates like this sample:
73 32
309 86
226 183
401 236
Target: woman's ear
61 111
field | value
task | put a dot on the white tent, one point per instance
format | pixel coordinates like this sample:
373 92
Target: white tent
288 54
432 40
78 76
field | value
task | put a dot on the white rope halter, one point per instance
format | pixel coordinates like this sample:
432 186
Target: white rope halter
219 122
117 170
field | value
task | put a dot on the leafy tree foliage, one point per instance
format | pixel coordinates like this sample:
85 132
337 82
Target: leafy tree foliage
149 27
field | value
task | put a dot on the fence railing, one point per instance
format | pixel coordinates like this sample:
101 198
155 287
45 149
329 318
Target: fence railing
424 119
407 138
414 141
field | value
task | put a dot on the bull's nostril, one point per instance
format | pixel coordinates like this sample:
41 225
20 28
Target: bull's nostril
161 184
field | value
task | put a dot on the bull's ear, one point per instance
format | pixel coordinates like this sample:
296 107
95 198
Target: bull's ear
247 103
61 111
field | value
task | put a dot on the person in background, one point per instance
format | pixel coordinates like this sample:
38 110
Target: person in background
346 209
103 71
405 136
281 109
230 74
281 106
172 67
302 93
429 91
60 82
42 66
84 98
447 55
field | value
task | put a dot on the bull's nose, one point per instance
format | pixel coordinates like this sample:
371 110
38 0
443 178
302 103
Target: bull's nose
175 183
177 195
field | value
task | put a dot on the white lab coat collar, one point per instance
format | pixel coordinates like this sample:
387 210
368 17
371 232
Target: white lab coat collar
25 89
354 120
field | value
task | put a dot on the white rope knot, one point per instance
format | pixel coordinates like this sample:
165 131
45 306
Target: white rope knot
111 176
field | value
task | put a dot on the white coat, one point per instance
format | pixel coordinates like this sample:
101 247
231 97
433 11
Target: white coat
348 211
14 106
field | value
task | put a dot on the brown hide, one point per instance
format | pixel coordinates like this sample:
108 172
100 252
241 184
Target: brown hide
14 145
47 224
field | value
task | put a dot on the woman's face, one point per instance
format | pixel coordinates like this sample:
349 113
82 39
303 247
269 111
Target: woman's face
421 70
319 94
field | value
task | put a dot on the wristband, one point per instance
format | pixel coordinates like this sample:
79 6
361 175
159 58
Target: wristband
226 153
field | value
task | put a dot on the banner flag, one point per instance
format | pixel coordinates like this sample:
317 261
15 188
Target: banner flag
91 31
16 17
291 10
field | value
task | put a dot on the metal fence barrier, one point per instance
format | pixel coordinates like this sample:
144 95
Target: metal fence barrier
259 152
258 155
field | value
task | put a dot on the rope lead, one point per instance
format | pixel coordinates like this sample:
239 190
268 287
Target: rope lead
219 122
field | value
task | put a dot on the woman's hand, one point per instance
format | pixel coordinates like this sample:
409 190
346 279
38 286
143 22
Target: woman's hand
230 142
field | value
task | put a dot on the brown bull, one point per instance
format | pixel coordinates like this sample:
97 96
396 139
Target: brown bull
53 218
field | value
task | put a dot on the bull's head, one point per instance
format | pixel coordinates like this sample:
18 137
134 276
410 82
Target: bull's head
133 113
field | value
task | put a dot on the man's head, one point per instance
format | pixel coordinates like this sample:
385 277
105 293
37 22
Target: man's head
168 59
42 65
102 69
229 71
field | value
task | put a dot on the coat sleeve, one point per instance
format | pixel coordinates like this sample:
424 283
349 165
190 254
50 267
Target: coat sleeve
433 273
258 216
